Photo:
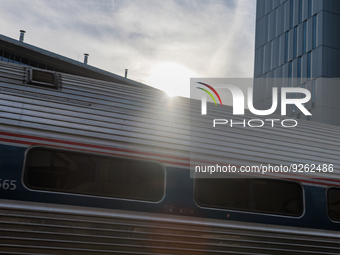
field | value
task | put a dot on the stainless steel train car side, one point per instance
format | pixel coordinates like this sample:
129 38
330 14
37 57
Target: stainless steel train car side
103 120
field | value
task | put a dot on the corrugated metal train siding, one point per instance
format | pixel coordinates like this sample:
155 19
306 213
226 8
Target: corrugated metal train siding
41 232
131 118
150 121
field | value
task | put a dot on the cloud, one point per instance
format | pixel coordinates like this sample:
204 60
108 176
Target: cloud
206 38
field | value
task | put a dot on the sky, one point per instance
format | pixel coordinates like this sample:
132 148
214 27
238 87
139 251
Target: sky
162 43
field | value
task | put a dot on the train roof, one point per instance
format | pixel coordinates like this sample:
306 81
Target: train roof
56 61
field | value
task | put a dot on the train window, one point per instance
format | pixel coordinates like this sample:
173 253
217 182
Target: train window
17 60
5 57
82 173
333 198
33 63
254 195
25 61
11 58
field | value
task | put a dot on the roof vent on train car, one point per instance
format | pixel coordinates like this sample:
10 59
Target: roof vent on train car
43 78
22 35
86 58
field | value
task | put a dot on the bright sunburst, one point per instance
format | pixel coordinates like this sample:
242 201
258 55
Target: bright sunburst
172 78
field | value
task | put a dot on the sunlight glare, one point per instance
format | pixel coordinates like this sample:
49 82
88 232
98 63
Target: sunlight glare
172 78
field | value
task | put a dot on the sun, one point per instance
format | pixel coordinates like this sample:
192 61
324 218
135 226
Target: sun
172 78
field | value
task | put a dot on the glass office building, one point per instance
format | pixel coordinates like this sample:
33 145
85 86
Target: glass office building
299 40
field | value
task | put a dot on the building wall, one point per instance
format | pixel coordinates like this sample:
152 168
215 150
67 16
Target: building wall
298 40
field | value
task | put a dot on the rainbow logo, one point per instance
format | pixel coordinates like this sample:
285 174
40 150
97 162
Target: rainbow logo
212 89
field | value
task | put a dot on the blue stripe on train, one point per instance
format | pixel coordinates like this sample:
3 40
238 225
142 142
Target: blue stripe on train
179 198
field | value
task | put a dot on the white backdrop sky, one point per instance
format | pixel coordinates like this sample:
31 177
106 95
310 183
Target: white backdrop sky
163 43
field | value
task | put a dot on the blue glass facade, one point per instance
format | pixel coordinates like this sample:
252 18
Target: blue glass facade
304 37
298 40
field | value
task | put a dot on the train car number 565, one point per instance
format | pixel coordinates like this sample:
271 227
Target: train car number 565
8 184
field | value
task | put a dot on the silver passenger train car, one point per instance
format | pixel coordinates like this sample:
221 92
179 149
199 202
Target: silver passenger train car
92 167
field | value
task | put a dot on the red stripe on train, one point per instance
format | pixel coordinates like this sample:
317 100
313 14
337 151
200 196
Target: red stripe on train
115 154
89 145
128 151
